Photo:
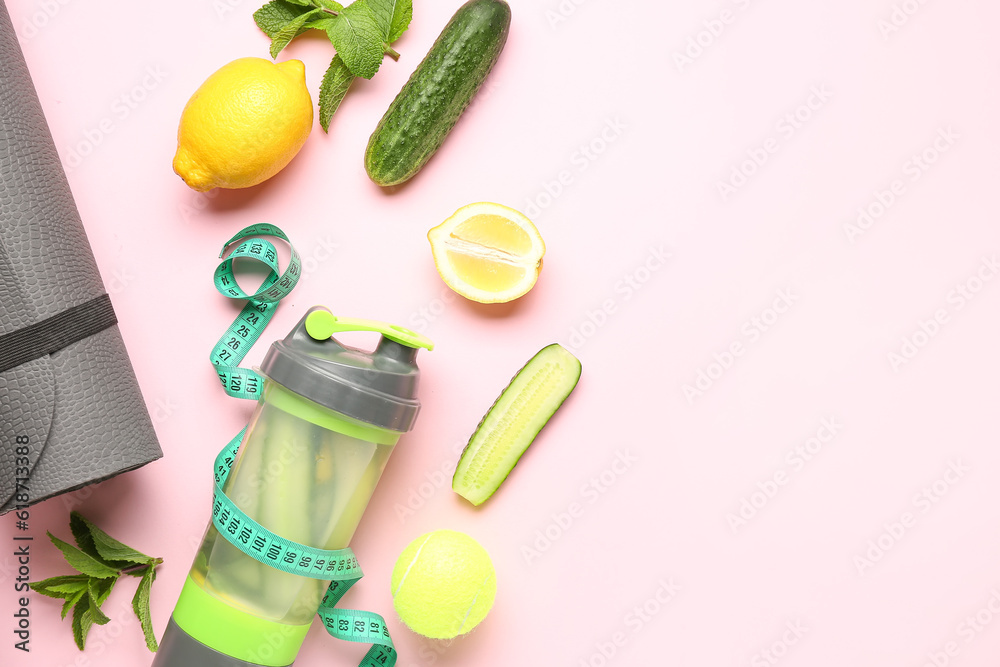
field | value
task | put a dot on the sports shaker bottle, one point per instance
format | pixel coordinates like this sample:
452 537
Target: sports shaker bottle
321 434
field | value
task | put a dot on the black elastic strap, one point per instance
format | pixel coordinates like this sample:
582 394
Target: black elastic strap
57 332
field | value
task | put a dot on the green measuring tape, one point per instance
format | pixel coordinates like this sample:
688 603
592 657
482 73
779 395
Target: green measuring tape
249 324
338 566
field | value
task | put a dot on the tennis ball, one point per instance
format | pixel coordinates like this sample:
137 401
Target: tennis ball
443 584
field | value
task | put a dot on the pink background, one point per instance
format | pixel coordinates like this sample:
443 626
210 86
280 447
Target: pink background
656 530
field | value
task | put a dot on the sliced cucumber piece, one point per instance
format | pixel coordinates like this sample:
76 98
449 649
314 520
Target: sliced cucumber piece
505 432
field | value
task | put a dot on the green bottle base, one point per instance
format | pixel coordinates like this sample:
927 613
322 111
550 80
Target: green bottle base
246 639
179 649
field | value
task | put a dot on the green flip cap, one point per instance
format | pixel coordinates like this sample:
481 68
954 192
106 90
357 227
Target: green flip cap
377 388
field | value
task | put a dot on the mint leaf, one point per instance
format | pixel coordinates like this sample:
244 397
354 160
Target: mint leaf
275 15
393 17
102 588
80 528
95 607
290 31
110 550
140 605
401 17
72 601
82 621
61 587
323 22
82 562
358 39
336 83
82 533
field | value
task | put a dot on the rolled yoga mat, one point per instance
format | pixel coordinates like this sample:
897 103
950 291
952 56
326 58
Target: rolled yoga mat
71 412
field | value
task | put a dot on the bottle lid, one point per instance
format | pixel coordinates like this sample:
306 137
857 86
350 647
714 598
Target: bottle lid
378 387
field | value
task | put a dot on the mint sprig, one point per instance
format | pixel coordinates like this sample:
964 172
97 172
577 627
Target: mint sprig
362 34
101 560
393 16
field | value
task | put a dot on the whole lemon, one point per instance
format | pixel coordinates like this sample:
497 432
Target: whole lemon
244 124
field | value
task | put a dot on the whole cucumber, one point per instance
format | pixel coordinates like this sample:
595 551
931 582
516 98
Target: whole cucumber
438 91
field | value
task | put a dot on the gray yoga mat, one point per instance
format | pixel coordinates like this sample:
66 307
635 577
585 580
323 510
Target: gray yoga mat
71 412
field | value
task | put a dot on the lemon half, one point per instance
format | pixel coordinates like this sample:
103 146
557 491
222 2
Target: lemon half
488 252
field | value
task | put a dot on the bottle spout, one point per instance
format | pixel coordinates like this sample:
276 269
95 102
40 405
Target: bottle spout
390 349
